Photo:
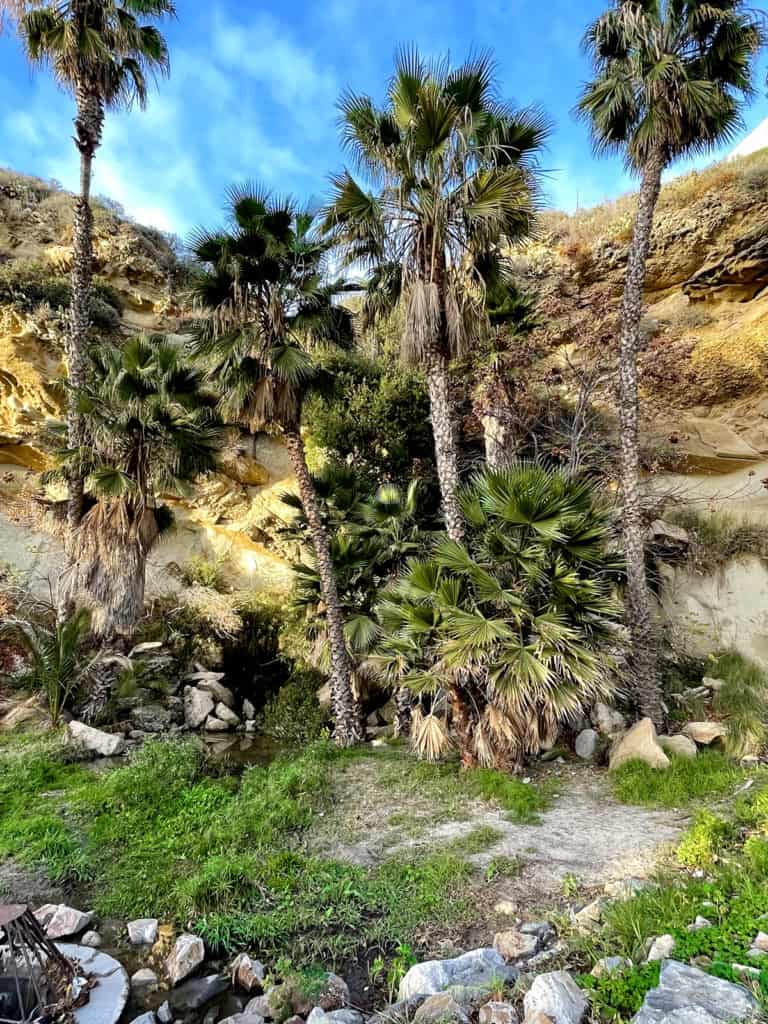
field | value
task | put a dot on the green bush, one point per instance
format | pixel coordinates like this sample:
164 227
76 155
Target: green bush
704 841
719 536
294 714
742 702
204 572
686 780
27 284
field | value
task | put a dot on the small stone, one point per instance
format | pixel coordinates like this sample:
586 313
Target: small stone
91 939
247 973
590 916
661 948
225 714
515 945
196 993
249 711
705 733
497 1013
188 953
639 744
610 965
607 720
261 1006
165 1013
760 942
506 908
144 981
679 745
67 921
587 744
143 931
544 931
699 924
104 744
440 1008
558 997
145 1018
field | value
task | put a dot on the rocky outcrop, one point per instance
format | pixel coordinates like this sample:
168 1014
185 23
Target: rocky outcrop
686 995
737 275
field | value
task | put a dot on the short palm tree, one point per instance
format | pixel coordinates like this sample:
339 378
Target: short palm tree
515 625
261 283
452 169
103 52
670 80
153 432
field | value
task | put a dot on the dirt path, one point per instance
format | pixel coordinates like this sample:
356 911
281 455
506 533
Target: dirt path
586 839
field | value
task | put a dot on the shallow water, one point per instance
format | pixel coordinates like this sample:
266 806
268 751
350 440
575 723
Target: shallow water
237 749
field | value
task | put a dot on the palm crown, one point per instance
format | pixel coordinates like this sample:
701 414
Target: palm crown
262 283
103 45
452 167
670 75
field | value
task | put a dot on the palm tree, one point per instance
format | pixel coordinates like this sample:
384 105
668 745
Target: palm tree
153 432
453 172
670 80
262 283
517 623
103 52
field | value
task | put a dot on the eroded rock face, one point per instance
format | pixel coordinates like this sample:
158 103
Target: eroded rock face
737 275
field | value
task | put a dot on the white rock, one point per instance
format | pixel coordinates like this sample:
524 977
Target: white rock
514 945
143 931
661 948
243 1018
67 921
103 743
91 939
144 981
476 968
45 913
587 743
247 973
760 942
699 924
705 733
213 724
679 745
558 997
165 1013
225 714
712 683
220 693
687 995
497 1013
145 1018
610 965
198 705
249 711
187 955
607 720
639 744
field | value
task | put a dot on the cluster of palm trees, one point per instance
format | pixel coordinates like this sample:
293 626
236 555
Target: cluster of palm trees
444 178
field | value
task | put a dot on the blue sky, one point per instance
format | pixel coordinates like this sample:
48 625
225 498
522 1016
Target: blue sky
253 89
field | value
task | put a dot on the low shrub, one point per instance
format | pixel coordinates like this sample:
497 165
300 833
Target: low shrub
686 781
704 840
294 714
26 284
619 995
719 536
205 572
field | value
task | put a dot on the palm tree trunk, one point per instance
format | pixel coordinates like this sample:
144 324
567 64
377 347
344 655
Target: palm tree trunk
88 126
403 700
346 710
446 447
645 670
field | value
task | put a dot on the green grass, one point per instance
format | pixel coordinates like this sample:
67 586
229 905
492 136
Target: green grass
685 782
719 536
162 837
475 841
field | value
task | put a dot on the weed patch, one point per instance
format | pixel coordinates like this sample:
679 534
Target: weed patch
685 782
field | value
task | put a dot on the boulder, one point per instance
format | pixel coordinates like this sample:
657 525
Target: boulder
45 913
143 931
497 1013
686 995
247 973
557 996
102 743
66 921
145 1018
225 714
514 944
639 744
198 705
152 718
213 724
607 720
197 993
587 744
91 939
261 1005
165 1013
187 955
661 948
249 711
220 693
760 942
441 1008
245 1018
678 745
342 1016
476 968
705 733
333 995
143 982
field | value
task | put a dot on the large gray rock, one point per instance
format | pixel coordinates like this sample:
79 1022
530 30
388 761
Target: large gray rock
66 921
102 743
345 1015
607 720
477 967
686 995
679 745
214 724
244 1018
557 996
187 955
225 714
198 705
143 931
587 744
197 993
441 1008
497 1013
247 973
220 693
107 999
639 744
249 711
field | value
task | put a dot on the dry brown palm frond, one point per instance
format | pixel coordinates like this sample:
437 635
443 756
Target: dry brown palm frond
422 321
429 736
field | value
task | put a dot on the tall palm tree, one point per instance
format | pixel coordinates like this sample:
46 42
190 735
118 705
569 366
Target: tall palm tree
452 171
103 52
153 431
670 80
262 283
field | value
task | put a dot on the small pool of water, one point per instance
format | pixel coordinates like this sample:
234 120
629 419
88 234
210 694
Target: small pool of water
239 749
